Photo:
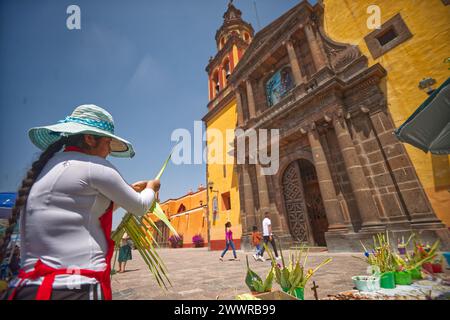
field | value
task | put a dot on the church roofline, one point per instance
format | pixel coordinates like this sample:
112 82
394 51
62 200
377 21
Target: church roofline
261 36
184 196
260 39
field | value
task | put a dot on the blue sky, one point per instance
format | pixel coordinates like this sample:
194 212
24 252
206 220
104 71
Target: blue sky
143 61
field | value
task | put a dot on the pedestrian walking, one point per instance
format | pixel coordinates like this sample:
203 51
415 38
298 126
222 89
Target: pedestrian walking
256 242
229 241
124 253
268 236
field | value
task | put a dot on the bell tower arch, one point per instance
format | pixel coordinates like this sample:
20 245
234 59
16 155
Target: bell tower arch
232 39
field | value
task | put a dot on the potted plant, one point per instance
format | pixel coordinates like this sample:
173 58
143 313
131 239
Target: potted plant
402 276
255 283
437 265
409 267
198 241
292 277
180 241
401 247
176 241
423 255
367 283
382 260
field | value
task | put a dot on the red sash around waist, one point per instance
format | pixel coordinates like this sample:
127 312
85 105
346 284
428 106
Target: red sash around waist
49 273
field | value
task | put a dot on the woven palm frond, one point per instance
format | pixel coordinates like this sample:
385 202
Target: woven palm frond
141 230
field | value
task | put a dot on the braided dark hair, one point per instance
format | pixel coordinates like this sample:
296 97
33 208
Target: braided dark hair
25 188
32 174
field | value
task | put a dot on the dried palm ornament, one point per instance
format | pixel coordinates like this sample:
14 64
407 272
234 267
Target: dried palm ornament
139 229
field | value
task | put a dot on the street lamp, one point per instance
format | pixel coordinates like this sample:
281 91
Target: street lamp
211 186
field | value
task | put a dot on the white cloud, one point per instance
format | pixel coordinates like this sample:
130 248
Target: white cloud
147 78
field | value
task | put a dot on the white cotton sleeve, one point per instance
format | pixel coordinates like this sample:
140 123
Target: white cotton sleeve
108 181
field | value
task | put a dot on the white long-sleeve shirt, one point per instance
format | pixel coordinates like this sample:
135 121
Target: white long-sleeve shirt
61 223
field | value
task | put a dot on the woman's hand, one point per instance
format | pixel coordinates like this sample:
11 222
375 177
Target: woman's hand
155 185
139 186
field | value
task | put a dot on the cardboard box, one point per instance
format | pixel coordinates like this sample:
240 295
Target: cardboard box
275 295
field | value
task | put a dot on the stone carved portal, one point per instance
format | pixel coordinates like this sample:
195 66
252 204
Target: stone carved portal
303 203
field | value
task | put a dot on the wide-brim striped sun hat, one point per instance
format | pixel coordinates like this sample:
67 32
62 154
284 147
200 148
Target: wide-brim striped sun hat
85 119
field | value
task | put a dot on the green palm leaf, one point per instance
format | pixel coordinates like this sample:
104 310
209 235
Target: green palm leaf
140 231
156 208
251 279
269 280
159 213
284 283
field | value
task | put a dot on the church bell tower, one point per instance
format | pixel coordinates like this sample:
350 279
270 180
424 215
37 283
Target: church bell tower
232 39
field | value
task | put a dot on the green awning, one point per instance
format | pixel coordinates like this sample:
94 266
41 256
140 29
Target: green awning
428 128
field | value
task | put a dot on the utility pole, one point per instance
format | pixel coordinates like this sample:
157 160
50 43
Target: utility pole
257 16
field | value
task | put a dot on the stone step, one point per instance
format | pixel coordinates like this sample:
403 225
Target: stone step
311 248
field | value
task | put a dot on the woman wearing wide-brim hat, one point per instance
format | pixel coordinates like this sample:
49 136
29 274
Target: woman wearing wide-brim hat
66 203
124 253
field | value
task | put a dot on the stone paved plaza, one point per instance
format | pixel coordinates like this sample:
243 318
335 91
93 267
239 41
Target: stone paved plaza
198 274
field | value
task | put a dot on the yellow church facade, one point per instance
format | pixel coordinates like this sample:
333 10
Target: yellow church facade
224 204
223 193
407 40
420 55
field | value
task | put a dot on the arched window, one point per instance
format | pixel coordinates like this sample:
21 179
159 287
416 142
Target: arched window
246 37
226 70
181 209
216 82
222 42
279 85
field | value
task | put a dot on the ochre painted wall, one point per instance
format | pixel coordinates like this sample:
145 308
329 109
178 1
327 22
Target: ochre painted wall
235 55
407 64
192 220
226 119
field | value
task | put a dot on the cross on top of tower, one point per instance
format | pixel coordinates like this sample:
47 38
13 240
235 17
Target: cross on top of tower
232 13
233 23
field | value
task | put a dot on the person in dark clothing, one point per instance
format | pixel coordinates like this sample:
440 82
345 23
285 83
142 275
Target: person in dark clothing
268 237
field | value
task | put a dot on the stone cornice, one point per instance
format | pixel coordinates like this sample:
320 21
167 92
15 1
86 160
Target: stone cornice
323 96
270 38
222 100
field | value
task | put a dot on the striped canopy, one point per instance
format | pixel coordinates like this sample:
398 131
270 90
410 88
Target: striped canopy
428 128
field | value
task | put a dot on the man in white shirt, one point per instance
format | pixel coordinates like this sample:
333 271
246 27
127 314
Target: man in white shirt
268 236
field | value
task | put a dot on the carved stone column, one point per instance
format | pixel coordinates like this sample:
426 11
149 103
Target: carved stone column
264 201
249 204
358 181
262 188
250 99
240 110
403 173
246 221
334 215
316 52
298 77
